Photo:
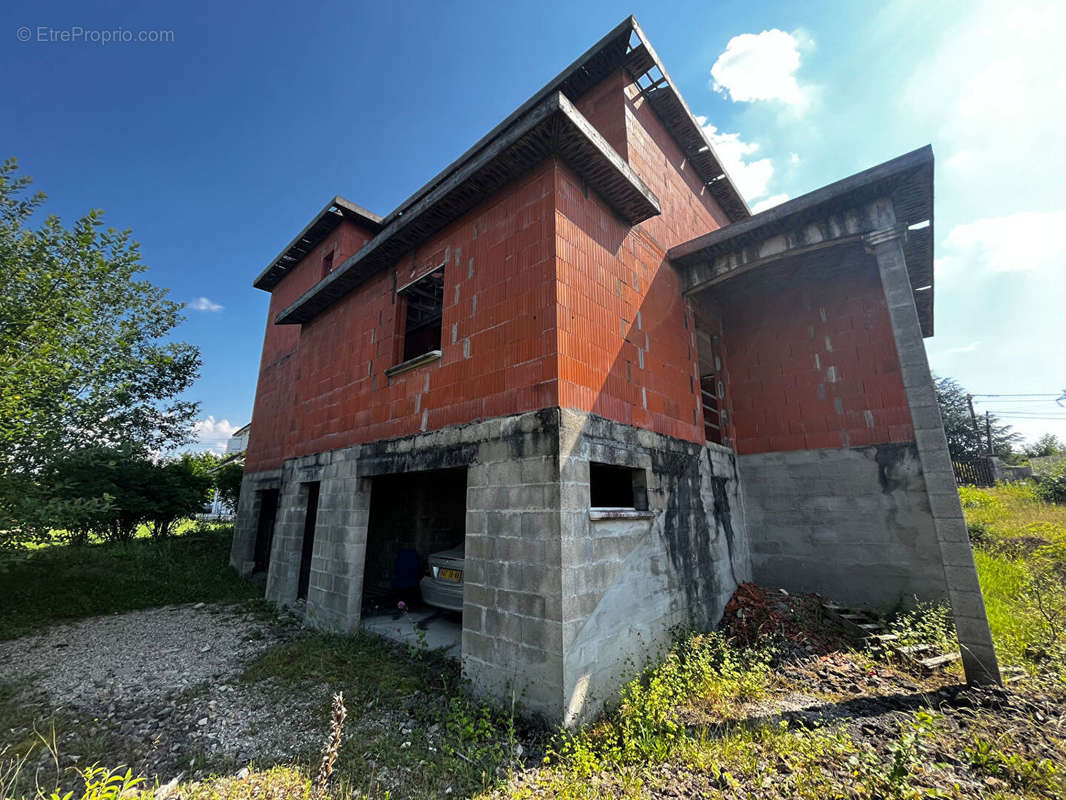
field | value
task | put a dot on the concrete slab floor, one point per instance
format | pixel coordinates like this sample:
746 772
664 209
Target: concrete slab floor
440 629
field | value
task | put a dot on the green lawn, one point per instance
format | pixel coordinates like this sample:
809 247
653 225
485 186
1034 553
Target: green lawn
59 583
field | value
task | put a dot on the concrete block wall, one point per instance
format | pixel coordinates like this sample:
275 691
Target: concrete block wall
512 628
245 529
559 607
853 524
629 579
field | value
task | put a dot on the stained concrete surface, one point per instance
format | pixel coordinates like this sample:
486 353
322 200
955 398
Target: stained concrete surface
440 629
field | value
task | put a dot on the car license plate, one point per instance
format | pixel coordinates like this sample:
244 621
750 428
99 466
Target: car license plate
450 574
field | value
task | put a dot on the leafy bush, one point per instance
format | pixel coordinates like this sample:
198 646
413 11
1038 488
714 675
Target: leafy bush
978 531
108 493
1052 485
228 482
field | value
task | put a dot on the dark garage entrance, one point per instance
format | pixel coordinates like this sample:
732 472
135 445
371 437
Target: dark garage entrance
412 516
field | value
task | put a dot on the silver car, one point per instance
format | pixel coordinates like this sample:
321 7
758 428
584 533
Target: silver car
443 585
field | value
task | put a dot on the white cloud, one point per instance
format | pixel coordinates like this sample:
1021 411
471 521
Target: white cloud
204 304
760 67
769 202
751 177
213 434
969 348
1022 242
793 159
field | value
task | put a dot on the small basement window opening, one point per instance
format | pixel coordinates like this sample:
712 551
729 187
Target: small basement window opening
423 310
617 487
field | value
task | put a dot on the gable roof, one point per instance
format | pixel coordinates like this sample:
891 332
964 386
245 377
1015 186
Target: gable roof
553 127
626 46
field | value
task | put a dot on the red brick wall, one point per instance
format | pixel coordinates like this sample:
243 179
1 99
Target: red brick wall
499 296
688 210
813 363
277 367
604 107
563 305
626 349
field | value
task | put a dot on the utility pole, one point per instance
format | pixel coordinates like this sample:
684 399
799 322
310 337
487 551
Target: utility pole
973 417
988 431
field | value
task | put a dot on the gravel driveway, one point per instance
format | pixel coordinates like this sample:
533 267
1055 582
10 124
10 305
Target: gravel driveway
162 688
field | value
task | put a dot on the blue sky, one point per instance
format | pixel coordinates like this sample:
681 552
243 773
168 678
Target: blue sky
217 146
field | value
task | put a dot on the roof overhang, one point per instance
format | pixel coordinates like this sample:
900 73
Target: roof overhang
625 47
833 215
553 127
323 224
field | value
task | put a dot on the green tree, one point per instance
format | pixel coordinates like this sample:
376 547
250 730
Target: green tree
963 441
180 488
1047 445
85 354
228 481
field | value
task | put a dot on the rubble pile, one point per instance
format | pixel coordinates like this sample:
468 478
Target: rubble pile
755 613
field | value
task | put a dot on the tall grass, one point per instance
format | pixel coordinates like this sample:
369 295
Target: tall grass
54 584
1020 551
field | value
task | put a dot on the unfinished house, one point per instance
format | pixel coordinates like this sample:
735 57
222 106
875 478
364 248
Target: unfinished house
575 361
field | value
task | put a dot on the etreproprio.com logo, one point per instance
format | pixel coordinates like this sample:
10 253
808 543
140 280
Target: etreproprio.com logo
77 34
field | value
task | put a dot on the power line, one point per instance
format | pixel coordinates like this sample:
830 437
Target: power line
1022 417
1027 394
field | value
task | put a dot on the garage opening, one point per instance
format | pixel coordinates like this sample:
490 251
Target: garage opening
264 531
413 575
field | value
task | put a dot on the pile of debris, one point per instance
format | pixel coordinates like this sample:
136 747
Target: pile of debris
755 613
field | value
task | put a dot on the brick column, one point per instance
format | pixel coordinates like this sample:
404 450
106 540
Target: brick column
960 574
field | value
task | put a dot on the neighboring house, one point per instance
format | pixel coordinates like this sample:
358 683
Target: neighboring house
238 442
577 352
236 446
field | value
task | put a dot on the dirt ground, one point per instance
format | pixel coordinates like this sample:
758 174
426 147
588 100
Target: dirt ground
159 690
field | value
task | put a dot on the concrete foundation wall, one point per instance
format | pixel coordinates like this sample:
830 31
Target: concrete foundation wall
562 603
629 578
853 524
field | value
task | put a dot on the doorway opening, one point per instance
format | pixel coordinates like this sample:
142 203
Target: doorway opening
264 530
308 546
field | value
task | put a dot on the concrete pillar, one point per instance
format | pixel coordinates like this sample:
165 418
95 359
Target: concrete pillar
284 573
964 591
335 591
999 475
512 630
